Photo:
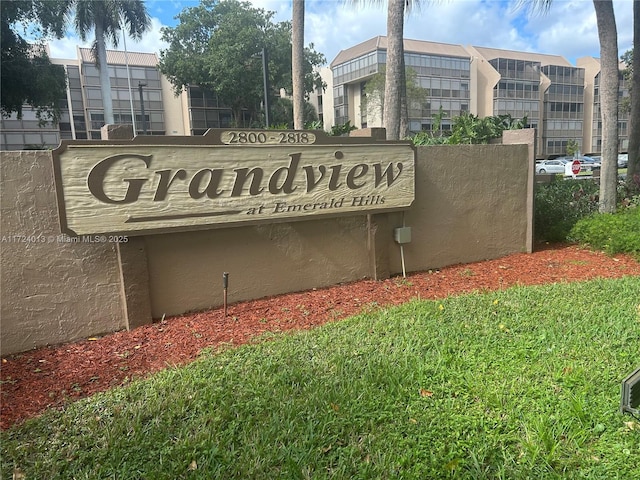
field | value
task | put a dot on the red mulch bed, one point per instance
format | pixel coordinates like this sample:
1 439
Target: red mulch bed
50 377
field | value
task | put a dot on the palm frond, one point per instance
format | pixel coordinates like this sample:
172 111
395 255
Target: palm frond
113 15
409 5
534 7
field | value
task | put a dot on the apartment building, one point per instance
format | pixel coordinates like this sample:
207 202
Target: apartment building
593 130
546 89
443 70
140 95
559 99
133 77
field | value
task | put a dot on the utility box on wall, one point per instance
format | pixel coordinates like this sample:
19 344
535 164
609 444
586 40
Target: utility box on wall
402 235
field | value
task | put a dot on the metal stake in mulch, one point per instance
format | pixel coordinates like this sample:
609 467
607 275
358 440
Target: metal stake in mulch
630 395
225 286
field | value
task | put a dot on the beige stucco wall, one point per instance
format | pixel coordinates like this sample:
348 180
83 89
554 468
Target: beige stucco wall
328 113
50 291
176 113
591 69
185 269
472 203
527 137
482 89
353 95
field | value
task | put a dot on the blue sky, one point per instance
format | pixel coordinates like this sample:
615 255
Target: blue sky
568 29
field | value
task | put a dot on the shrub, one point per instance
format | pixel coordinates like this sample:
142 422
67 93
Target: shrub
468 129
342 130
629 193
612 232
560 204
426 138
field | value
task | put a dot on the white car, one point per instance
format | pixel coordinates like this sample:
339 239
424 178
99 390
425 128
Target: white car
551 166
587 164
623 160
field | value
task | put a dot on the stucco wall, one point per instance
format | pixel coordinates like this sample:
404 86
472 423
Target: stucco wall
472 203
51 291
185 269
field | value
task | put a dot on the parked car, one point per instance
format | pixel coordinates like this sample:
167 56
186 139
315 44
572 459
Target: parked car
587 163
551 166
623 160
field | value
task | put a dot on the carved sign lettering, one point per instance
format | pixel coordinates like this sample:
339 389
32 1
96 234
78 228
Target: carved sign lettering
136 188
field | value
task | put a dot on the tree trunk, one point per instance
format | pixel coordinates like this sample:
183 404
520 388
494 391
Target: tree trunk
404 101
395 54
297 59
609 84
633 170
105 83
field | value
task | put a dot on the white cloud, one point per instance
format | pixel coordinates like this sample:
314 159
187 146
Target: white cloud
567 29
151 42
570 29
343 27
66 47
624 23
472 22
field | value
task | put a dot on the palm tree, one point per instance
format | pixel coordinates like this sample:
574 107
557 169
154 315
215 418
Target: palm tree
297 62
106 18
395 94
609 85
395 71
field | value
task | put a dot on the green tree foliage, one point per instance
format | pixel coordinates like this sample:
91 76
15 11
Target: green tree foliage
282 113
613 233
572 147
373 100
28 77
470 129
217 45
342 130
559 205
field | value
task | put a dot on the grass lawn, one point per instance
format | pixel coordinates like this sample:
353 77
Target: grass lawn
523 383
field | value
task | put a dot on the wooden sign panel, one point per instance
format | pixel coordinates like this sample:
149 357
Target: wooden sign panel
152 185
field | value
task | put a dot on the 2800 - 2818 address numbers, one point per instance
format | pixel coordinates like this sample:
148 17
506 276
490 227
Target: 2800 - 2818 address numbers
267 138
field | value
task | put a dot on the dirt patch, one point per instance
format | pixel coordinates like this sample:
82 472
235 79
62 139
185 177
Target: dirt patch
50 377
